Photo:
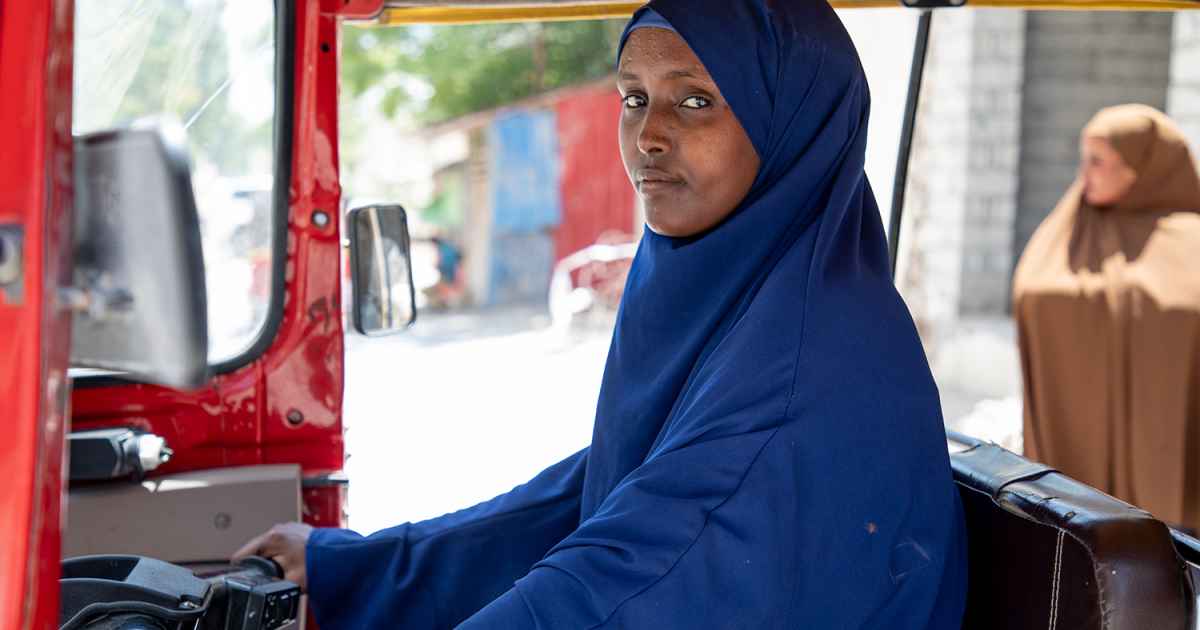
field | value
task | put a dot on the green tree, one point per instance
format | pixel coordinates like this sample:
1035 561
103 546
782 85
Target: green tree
440 72
168 57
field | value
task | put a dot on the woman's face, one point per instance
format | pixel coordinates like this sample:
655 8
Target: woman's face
1106 177
685 152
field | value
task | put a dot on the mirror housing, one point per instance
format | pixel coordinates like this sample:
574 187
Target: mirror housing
384 301
138 293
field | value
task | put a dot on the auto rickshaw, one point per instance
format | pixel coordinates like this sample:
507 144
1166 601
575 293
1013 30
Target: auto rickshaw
177 456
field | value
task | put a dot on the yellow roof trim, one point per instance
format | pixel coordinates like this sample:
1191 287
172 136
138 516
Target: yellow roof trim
1090 5
395 16
459 15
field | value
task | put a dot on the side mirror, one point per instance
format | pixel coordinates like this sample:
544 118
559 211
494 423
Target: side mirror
139 296
380 270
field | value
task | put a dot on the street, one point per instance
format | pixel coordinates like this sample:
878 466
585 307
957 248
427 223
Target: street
461 408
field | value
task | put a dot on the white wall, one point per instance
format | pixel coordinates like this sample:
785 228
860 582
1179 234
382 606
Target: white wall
957 230
884 39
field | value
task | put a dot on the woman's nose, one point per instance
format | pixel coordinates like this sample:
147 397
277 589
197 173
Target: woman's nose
655 136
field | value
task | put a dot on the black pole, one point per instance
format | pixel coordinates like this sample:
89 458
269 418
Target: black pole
906 133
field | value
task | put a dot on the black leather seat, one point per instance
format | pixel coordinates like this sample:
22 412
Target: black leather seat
1046 551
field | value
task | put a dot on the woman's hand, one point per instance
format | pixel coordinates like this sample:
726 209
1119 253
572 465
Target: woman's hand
284 544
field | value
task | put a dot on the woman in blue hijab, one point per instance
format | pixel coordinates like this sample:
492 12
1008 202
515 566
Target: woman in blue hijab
768 449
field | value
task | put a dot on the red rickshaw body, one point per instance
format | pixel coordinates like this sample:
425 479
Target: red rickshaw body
240 417
35 197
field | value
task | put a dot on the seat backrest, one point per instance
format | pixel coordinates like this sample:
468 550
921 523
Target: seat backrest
1046 551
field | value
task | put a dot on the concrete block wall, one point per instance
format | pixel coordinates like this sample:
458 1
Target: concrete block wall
960 205
1077 62
995 127
956 234
930 242
1183 93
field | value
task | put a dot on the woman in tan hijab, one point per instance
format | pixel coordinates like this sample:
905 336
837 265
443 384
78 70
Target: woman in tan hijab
1107 303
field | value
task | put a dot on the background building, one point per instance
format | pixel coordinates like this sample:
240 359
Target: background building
1004 98
530 184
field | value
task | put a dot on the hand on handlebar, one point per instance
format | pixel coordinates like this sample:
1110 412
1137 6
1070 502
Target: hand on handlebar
283 543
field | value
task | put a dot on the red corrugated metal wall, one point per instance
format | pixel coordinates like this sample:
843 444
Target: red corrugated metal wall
596 192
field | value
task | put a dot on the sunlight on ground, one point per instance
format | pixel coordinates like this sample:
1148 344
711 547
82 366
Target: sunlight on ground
462 408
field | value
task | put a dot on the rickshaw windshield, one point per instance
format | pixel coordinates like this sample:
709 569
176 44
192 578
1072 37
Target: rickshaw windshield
210 64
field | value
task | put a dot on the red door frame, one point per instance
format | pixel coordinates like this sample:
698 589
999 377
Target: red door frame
241 417
35 196
286 405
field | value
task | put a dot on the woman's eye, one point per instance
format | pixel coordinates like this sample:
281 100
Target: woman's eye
696 102
633 100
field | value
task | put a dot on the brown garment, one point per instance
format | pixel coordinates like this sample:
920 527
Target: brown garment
1107 305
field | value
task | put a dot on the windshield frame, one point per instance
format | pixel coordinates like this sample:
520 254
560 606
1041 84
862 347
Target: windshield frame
285 80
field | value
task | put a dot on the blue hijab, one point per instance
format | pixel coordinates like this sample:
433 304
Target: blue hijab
768 449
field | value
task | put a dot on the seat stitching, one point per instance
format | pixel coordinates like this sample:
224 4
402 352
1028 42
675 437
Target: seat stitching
1057 575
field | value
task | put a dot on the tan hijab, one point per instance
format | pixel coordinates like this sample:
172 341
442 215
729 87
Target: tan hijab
1107 304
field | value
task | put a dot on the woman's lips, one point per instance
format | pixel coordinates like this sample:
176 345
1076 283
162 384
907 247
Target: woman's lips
655 182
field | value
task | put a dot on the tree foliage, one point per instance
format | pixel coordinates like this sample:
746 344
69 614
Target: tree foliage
176 62
441 72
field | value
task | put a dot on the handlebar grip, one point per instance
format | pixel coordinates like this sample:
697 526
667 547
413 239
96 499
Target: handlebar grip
266 566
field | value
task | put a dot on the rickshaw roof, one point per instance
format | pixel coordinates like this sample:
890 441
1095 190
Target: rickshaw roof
397 12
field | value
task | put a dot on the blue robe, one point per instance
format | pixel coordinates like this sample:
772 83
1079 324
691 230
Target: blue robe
768 449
